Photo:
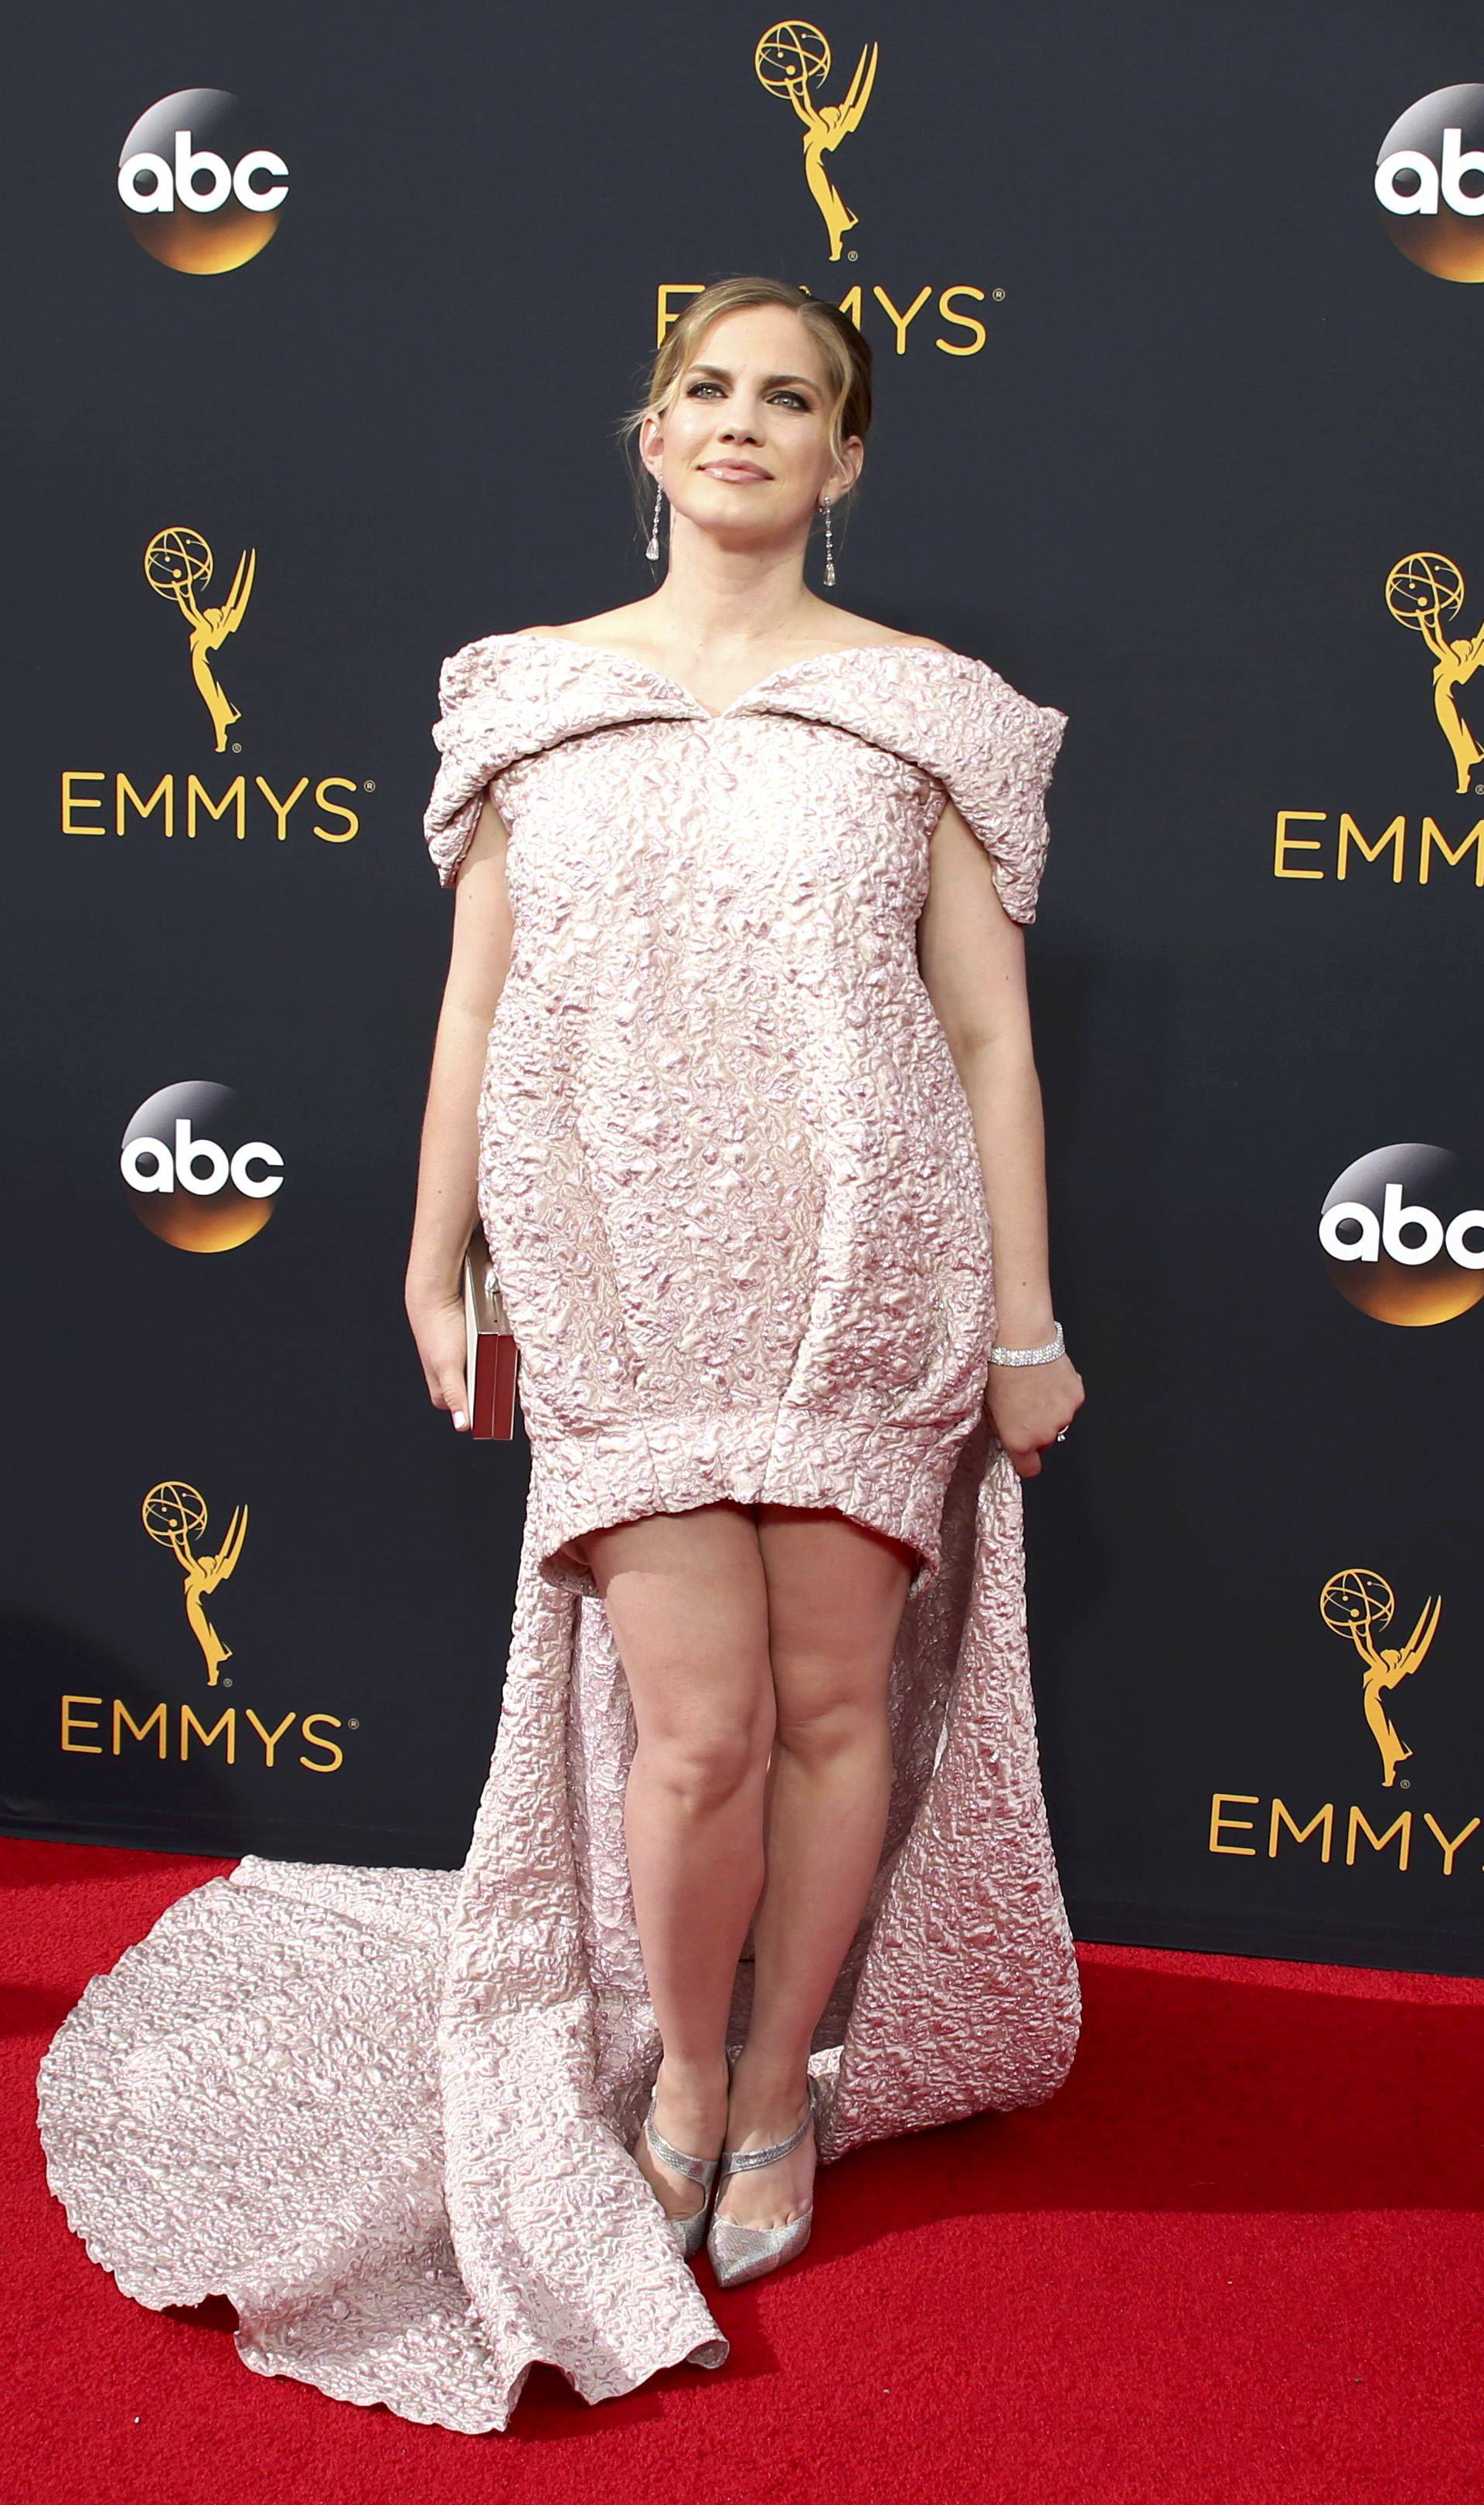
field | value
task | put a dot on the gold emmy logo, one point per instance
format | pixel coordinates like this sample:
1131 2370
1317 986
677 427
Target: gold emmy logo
1422 590
790 58
175 562
1355 1603
174 1514
1358 1603
232 806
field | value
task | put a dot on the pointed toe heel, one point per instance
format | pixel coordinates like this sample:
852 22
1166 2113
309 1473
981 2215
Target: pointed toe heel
738 2253
689 2233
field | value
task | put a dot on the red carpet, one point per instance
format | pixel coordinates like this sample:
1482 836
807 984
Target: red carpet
1238 2256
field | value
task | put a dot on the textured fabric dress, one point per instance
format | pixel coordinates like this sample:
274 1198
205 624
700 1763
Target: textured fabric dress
728 1175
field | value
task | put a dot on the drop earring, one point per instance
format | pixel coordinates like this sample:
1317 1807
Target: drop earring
829 547
652 548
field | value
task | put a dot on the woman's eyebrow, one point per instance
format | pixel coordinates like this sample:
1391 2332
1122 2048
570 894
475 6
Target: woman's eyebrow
718 373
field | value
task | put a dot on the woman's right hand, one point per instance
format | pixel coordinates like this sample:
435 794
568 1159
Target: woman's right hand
437 1328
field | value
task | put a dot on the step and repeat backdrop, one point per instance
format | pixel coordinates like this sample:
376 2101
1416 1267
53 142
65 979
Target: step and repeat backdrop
321 336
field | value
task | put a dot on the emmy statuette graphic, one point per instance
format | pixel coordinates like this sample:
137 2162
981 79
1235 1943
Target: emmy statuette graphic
175 562
790 58
1353 1603
173 1513
1421 591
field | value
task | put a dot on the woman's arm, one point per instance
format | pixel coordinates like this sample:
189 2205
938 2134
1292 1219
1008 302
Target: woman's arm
447 1199
971 954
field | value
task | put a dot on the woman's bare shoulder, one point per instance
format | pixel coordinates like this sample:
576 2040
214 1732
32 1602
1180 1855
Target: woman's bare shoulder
585 631
870 630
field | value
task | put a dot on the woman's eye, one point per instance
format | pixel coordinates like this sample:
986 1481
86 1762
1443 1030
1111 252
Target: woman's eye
795 399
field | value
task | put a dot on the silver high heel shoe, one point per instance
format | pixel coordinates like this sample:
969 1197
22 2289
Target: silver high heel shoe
736 2252
688 2232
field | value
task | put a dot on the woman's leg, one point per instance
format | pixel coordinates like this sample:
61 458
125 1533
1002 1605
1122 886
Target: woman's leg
835 1594
686 1603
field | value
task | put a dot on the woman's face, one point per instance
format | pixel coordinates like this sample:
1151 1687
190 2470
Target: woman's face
743 449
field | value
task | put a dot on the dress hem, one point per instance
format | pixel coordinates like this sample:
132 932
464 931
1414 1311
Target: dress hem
846 1466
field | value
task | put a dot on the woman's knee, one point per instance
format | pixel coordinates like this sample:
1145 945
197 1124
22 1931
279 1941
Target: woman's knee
820 1718
705 1760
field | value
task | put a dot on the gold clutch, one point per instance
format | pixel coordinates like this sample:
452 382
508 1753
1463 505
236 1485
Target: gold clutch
491 1356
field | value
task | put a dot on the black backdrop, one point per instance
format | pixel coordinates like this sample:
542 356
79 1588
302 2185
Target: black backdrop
1214 406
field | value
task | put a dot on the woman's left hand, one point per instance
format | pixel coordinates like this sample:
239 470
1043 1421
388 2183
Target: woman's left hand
1028 1406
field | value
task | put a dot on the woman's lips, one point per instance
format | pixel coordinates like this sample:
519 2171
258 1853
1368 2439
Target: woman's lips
738 470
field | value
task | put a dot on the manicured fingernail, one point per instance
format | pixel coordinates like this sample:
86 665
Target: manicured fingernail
459 1418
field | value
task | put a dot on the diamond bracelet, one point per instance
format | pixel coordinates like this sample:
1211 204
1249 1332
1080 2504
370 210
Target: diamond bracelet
1056 1347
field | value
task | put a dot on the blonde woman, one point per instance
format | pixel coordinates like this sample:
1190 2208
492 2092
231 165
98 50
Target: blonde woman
734 1068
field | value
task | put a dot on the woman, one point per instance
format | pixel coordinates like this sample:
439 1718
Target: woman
733 1066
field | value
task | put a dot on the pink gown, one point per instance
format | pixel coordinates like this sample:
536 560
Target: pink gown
728 1175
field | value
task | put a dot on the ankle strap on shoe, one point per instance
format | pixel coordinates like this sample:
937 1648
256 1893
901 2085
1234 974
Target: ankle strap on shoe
699 2169
736 2162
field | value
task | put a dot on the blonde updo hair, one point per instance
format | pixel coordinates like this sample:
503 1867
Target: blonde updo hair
844 352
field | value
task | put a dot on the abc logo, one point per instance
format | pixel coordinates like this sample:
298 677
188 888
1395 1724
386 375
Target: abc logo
194 1175
1430 182
200 182
1403 1236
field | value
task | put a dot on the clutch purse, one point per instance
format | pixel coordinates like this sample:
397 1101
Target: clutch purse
491 1356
